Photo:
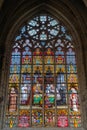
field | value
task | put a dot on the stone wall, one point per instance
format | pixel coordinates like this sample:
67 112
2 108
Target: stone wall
45 129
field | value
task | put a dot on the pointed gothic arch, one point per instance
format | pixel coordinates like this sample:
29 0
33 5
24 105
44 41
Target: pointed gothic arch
25 18
43 81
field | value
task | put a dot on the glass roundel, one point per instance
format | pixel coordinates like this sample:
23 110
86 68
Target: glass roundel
43 28
43 81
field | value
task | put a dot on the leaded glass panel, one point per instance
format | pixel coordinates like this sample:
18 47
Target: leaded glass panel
43 88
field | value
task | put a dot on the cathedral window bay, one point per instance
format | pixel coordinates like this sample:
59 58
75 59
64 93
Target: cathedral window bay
43 86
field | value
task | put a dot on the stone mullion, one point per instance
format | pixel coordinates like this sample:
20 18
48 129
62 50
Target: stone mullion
4 88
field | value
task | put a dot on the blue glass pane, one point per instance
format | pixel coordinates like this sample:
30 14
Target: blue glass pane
68 37
15 68
25 78
18 38
71 59
53 32
23 29
70 56
27 50
16 52
43 18
33 23
61 77
15 60
32 32
70 52
59 51
71 69
43 36
43 43
63 29
53 22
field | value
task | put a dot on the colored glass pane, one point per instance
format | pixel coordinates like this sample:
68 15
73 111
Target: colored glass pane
11 121
75 121
37 118
15 68
24 118
14 78
49 118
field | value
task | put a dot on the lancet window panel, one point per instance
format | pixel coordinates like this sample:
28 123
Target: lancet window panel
43 88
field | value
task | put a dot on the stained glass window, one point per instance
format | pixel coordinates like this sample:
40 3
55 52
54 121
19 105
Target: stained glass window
43 88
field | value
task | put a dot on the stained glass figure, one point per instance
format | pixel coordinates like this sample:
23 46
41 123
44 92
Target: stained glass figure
61 96
15 57
71 56
37 94
25 94
49 95
74 101
13 100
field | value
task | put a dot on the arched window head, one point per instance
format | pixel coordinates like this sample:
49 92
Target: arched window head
43 81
